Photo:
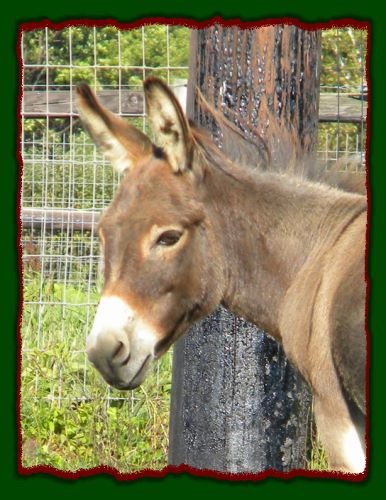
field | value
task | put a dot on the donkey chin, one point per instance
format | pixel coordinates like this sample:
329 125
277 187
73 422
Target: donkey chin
120 345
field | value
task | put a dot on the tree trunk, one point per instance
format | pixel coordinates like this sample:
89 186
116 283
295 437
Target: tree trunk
237 404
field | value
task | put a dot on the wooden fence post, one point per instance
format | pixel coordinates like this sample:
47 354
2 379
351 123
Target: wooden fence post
237 405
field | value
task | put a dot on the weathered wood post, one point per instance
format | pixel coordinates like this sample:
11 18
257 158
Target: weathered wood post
237 405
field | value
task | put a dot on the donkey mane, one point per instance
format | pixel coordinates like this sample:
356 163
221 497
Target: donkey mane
344 177
350 181
214 156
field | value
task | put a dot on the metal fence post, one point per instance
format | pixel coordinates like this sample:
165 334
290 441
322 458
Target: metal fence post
237 404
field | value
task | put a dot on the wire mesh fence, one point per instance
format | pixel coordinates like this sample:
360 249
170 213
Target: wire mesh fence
343 98
70 419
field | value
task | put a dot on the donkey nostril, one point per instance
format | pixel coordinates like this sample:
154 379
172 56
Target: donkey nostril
119 353
118 349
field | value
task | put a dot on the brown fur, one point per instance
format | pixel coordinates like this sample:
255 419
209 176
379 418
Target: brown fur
285 253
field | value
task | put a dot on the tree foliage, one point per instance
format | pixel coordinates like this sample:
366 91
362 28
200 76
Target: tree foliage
343 63
343 69
106 57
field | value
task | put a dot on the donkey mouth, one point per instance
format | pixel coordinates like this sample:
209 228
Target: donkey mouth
174 333
137 380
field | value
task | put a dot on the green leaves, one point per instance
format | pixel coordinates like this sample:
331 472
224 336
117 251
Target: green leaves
105 55
70 418
343 59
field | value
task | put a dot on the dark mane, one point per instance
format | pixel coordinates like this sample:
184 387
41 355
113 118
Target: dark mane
349 179
244 146
213 155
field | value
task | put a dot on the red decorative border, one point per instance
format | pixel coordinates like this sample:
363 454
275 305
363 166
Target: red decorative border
340 23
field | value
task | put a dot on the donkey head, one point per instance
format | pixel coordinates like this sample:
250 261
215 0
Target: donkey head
160 262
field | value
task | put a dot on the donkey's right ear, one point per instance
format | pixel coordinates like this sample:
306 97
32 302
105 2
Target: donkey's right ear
123 144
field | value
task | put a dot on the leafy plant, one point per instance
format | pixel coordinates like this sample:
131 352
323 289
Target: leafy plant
70 419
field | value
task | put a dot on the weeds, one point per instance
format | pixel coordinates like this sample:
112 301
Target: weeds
70 419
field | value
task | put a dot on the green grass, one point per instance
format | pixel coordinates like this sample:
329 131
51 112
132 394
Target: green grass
70 419
318 459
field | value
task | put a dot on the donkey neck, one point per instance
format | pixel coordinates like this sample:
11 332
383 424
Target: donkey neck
268 226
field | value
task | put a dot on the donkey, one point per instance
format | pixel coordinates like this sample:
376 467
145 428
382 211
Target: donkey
188 229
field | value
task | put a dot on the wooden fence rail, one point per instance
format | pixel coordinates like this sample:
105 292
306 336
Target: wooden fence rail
51 219
36 104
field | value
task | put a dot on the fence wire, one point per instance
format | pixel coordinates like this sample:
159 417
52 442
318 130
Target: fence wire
342 138
63 175
70 418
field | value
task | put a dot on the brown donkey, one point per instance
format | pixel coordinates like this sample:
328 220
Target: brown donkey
188 230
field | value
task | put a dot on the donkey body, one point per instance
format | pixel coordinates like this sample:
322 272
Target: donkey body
188 230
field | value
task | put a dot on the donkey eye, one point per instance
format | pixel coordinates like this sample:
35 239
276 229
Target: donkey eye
169 238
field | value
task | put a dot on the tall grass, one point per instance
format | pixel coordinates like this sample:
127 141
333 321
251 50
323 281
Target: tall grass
70 419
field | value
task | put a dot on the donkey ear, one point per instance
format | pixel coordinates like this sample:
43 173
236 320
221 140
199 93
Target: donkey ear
123 144
169 124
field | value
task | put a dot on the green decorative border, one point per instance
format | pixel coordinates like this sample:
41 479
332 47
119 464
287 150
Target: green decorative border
44 485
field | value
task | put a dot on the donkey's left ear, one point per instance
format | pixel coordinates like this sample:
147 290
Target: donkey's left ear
168 122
